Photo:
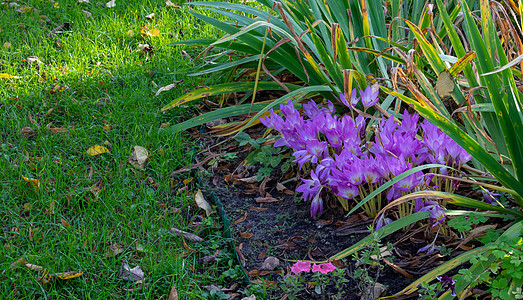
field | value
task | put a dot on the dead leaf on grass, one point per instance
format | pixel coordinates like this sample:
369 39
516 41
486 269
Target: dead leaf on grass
202 203
58 30
110 4
64 223
96 188
68 275
96 150
34 267
210 258
187 247
86 13
169 3
7 45
50 211
152 32
150 16
128 274
28 131
18 262
263 254
34 182
251 297
190 236
33 59
139 156
240 219
114 250
7 76
24 9
84 1
32 231
173 294
167 87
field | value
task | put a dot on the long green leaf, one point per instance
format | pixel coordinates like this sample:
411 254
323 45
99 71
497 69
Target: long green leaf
223 89
382 232
216 115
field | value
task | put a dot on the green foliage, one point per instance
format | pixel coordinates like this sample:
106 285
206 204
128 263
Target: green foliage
465 223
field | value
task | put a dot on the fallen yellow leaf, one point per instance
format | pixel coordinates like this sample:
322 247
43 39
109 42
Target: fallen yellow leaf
35 182
95 150
68 275
154 32
7 76
24 9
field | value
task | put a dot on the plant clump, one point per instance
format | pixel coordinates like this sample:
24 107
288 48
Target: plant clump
350 157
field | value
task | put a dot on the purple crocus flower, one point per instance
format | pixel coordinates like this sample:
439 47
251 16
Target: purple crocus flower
490 197
347 191
273 121
447 282
382 221
353 99
437 214
317 204
369 97
310 187
313 153
370 173
429 248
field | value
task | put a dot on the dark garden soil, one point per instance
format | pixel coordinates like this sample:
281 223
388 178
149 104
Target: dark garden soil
268 220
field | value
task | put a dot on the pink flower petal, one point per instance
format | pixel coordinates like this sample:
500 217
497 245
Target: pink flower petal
323 268
301 266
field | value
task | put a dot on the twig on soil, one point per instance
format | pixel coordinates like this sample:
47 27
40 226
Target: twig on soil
196 165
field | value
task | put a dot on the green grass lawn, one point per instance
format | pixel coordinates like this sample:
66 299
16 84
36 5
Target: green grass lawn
88 85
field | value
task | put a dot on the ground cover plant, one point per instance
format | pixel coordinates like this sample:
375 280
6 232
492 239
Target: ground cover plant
88 208
456 63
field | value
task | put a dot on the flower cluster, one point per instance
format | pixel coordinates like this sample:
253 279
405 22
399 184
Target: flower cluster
305 266
350 157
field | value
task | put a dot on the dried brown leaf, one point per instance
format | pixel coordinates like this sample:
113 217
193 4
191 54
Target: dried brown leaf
18 262
255 208
270 264
114 250
266 200
187 247
202 203
190 236
173 294
34 267
139 156
86 13
128 274
246 235
240 219
169 3
64 223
